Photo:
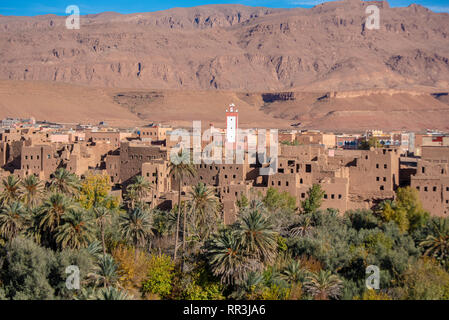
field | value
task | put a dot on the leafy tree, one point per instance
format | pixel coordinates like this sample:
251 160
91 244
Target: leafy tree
371 142
275 200
406 210
391 212
94 190
423 280
314 199
132 266
160 276
57 276
25 270
243 202
371 294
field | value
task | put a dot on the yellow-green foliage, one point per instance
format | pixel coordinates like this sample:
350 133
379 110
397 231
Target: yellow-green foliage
275 200
94 190
406 210
425 280
132 267
194 291
160 276
372 294
274 292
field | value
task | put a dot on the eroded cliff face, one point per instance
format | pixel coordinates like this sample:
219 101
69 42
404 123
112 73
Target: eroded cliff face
233 47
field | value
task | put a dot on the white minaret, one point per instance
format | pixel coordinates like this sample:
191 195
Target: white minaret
231 124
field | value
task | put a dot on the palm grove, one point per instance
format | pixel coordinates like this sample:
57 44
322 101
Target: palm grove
275 250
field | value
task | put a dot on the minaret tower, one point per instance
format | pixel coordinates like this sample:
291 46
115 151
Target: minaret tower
232 117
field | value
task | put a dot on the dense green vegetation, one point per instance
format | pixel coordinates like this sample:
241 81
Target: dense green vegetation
274 250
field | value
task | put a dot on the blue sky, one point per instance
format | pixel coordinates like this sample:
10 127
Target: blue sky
32 8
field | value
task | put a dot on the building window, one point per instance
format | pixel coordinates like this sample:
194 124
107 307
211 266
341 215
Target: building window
423 170
308 168
434 189
339 196
325 196
377 166
332 196
417 188
377 178
303 195
385 178
425 189
381 187
279 183
385 166
286 183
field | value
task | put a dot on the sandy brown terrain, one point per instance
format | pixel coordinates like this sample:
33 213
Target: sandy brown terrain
335 111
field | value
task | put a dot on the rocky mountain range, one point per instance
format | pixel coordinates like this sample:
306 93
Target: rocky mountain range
234 47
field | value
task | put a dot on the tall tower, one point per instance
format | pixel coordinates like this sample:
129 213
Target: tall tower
232 117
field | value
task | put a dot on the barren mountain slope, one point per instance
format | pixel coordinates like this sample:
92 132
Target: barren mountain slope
233 47
334 111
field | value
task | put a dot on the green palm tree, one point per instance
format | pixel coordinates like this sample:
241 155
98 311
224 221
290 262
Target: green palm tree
303 228
227 259
76 230
112 293
64 181
102 216
52 211
205 209
105 272
293 272
257 237
139 189
323 285
12 220
135 226
32 189
249 287
180 168
437 244
11 190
